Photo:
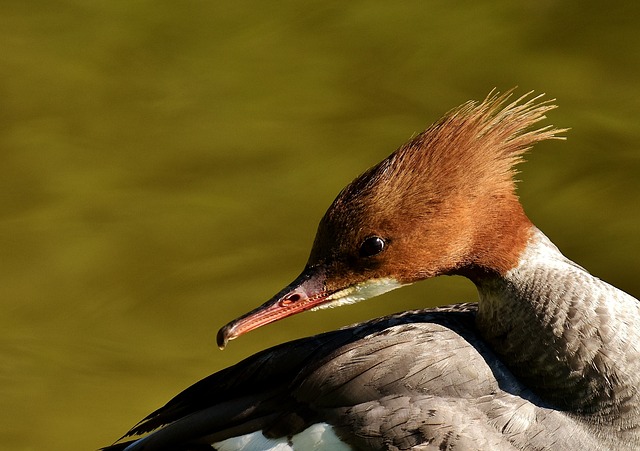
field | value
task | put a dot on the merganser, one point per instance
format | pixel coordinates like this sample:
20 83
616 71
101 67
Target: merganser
547 359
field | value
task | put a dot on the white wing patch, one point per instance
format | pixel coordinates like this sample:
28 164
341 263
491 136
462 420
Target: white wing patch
318 437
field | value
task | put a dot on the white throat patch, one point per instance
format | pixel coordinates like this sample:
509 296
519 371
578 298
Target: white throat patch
360 292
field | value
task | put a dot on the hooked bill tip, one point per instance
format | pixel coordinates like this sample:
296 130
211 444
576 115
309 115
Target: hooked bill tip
222 339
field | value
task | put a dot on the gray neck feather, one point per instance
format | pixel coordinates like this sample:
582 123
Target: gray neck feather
572 338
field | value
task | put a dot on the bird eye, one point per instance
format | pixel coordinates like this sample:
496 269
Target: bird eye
371 246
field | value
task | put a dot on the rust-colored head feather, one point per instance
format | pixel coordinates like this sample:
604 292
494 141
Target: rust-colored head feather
475 146
447 197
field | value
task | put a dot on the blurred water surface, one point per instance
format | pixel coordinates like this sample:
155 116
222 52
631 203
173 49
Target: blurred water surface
164 166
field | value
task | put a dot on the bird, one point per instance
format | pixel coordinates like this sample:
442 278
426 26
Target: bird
548 358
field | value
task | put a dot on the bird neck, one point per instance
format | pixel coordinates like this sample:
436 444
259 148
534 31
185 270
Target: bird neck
572 338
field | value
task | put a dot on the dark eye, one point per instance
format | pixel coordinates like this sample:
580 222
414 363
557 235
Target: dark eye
371 246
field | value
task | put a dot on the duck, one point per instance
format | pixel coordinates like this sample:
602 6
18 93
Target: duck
548 358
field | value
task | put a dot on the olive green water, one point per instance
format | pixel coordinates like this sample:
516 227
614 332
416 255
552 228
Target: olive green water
164 165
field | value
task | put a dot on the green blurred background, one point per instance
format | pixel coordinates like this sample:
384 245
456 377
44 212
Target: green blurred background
164 166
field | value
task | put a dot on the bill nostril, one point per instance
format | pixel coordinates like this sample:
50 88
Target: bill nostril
290 299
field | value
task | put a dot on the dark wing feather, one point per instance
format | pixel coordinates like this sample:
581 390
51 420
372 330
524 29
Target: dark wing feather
414 380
